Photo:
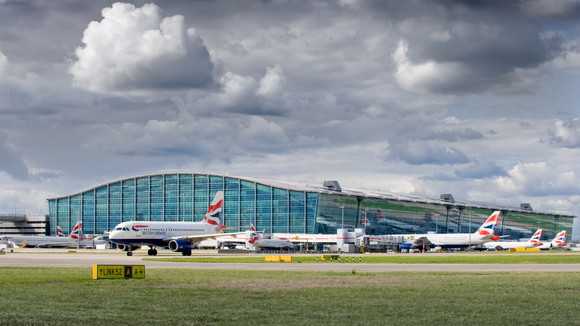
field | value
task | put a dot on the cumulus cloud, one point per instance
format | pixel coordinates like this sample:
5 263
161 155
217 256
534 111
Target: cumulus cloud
421 153
426 76
487 47
11 162
565 133
453 134
538 179
272 82
138 49
570 56
246 95
550 8
206 139
295 83
3 64
480 170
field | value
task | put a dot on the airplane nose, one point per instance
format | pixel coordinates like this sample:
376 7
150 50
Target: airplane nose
113 235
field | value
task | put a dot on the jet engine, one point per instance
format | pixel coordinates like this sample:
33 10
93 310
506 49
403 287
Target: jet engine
180 245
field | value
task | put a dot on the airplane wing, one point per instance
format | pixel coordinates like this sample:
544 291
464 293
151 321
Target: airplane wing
200 237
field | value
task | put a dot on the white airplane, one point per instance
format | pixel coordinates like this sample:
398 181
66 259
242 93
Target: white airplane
559 241
58 241
257 242
534 241
177 236
484 234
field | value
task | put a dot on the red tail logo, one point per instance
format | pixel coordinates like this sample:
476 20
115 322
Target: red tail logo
76 231
214 209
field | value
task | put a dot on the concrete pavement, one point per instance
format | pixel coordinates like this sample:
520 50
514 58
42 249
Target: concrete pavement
65 259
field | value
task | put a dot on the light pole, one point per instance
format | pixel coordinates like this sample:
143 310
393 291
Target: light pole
342 223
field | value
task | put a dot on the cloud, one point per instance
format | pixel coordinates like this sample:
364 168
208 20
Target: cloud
550 8
3 64
453 134
480 170
11 162
245 95
539 179
204 138
290 85
471 48
272 82
565 134
426 76
570 56
421 153
137 49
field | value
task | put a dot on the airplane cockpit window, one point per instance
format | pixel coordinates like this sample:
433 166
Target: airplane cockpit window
118 228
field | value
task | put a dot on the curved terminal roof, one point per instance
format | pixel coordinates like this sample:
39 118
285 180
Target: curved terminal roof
345 191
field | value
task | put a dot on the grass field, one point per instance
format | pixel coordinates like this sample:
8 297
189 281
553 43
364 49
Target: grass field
540 258
53 296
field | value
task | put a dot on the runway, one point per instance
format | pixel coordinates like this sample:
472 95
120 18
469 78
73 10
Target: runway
55 259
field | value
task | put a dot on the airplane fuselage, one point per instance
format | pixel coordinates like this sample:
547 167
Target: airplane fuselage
273 244
41 241
156 233
509 244
447 240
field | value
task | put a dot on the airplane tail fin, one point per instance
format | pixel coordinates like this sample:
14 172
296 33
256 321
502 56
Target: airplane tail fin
59 231
487 228
214 210
535 239
77 231
253 236
560 239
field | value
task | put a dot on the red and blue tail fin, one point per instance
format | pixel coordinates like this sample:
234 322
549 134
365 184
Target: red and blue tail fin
77 230
560 239
214 209
535 239
487 228
253 236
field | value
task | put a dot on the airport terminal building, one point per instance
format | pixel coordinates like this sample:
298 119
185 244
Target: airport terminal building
282 207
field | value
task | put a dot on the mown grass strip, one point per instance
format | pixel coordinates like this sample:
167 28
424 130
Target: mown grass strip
401 259
62 296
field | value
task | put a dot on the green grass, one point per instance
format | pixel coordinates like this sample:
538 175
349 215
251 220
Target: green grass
58 296
491 258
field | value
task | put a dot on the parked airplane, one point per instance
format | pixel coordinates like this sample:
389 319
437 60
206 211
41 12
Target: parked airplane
177 236
559 241
58 241
534 241
484 234
257 242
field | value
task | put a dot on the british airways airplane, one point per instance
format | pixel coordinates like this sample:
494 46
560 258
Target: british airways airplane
558 242
58 241
534 241
256 242
177 236
484 234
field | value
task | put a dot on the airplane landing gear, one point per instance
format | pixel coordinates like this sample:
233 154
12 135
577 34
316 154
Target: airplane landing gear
152 252
129 253
186 252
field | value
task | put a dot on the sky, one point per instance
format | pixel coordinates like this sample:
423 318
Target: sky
474 98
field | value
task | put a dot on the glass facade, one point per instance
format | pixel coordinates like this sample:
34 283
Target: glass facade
186 197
